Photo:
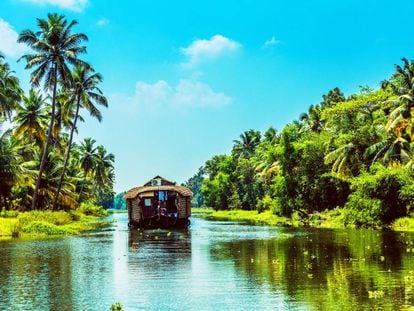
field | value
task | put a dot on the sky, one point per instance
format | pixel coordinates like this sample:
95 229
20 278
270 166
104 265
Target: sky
186 78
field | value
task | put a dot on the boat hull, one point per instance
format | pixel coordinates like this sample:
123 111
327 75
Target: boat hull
161 222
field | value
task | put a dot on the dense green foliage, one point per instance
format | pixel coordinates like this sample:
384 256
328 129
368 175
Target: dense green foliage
40 165
355 153
89 209
195 183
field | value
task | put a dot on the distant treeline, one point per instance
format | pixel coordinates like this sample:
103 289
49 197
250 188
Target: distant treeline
119 201
355 153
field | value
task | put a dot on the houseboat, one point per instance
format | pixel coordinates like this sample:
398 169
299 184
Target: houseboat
159 203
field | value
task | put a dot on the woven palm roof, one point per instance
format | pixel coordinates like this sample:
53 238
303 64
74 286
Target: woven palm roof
132 193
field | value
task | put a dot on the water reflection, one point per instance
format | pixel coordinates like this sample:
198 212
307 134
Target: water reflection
331 270
212 266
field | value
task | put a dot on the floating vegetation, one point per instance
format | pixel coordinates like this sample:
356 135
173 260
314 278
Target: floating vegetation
116 307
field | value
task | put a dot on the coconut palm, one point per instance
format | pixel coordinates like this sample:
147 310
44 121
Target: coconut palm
271 135
88 154
103 170
312 119
266 161
247 143
342 159
393 148
64 114
9 165
31 118
50 181
86 94
55 48
402 85
10 91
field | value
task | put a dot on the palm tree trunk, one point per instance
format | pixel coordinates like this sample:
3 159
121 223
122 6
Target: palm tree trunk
62 176
81 189
49 136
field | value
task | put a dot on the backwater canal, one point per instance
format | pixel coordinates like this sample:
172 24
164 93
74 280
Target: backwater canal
210 266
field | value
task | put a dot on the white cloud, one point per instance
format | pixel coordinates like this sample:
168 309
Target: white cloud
186 94
102 22
271 42
8 41
202 49
153 96
74 5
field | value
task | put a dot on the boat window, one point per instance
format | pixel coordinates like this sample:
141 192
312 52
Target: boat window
147 202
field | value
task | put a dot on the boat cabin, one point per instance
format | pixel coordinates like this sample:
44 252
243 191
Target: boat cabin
159 203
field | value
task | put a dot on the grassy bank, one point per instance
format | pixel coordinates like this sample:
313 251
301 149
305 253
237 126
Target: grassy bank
252 217
327 219
51 223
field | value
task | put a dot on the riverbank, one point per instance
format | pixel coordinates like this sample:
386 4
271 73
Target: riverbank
37 224
333 219
265 218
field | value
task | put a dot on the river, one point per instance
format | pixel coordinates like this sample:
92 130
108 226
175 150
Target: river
212 266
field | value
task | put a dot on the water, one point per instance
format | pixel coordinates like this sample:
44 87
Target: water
212 266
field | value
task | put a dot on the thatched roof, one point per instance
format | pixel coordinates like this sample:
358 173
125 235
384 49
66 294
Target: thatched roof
165 186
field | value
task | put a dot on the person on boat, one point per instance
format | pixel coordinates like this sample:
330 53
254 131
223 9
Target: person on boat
160 208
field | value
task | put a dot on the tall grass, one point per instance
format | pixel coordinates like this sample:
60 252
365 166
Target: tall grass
252 217
10 227
56 218
46 228
15 224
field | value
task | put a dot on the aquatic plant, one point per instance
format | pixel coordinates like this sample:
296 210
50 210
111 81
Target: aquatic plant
43 227
116 307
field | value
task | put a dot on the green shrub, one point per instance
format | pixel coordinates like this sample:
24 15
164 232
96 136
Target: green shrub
90 209
363 212
266 203
380 196
43 227
15 229
75 215
282 206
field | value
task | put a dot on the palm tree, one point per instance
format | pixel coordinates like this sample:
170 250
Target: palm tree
64 114
402 85
10 91
86 92
9 165
342 159
247 143
50 182
30 119
88 156
312 119
393 148
103 170
55 48
271 135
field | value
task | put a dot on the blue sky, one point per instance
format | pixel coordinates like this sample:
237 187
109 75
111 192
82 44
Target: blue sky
185 78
